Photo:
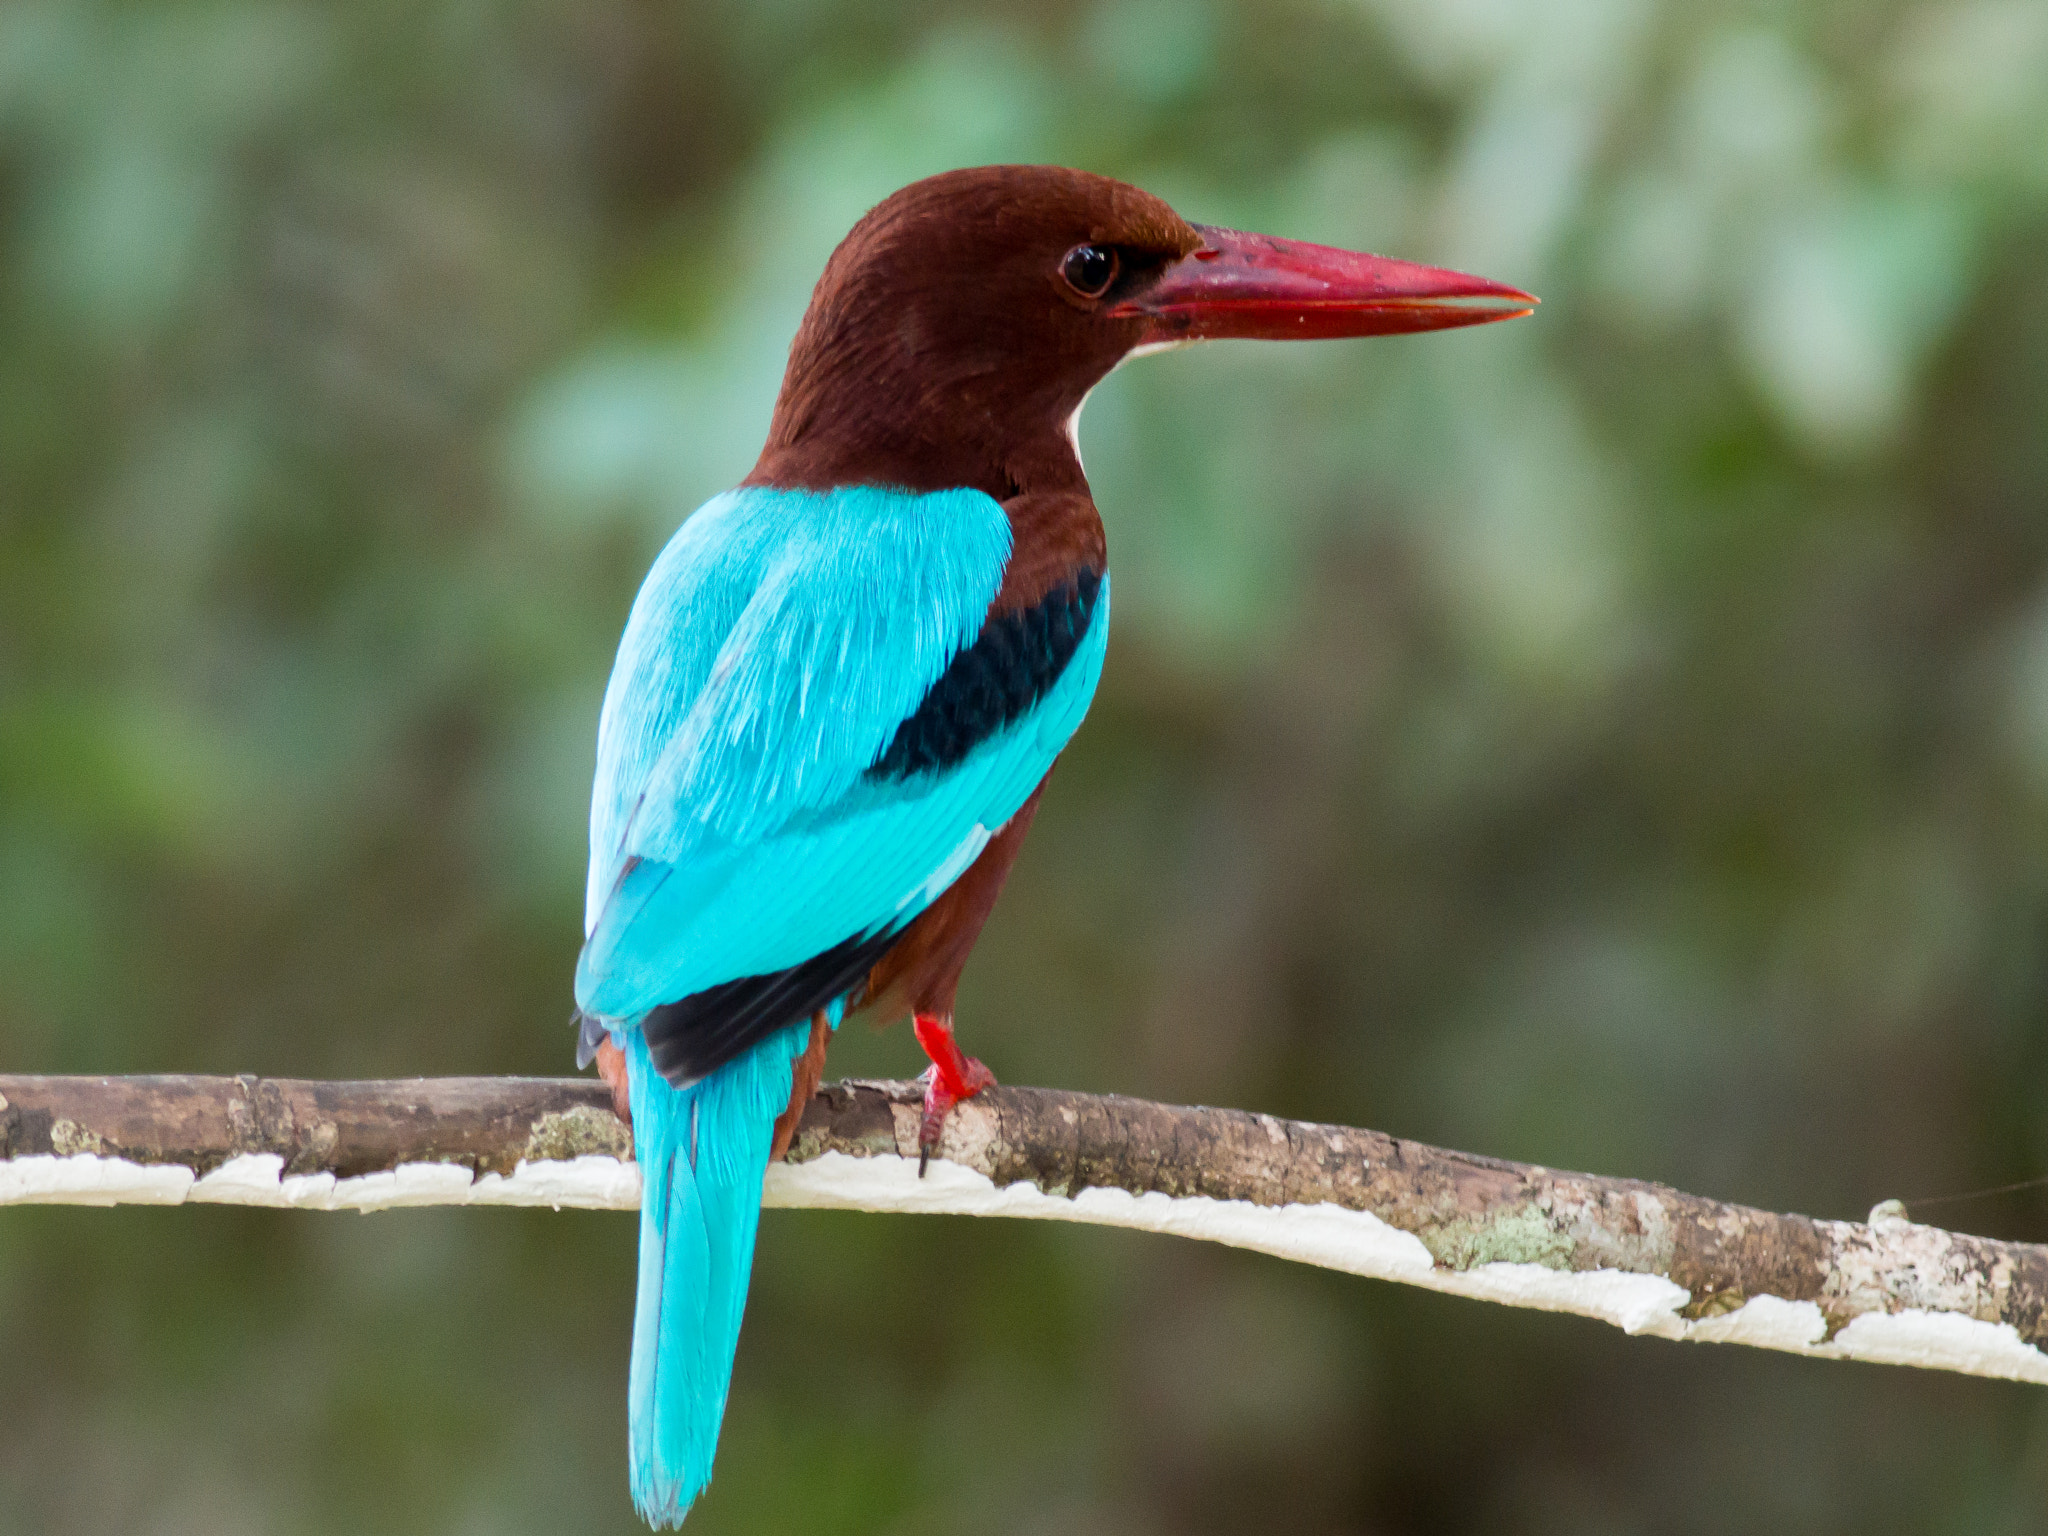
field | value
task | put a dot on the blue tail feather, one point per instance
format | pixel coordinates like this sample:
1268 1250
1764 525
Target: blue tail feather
703 1152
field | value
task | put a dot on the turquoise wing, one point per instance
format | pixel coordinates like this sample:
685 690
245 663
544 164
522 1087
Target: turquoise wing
738 826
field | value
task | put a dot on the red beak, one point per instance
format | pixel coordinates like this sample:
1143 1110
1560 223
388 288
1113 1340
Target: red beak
1254 286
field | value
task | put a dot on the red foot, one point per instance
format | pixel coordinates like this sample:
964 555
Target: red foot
951 1078
611 1066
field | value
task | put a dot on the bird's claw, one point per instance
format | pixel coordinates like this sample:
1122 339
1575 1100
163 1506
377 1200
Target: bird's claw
951 1077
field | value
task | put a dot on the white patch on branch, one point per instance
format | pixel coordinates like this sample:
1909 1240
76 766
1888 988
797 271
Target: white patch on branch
86 1179
1325 1235
587 1183
1330 1236
1945 1341
1768 1322
1361 1244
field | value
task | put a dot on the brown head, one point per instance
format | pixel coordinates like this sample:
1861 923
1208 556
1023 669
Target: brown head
957 329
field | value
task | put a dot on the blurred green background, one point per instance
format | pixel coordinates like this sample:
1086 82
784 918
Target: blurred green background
1617 740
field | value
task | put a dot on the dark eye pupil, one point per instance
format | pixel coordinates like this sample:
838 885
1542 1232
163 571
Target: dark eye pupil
1089 268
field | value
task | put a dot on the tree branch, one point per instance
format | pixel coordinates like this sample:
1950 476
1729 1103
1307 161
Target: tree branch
1644 1257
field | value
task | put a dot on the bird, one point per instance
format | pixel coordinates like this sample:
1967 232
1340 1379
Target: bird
844 684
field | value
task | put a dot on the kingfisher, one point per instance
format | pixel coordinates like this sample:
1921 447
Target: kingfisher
844 684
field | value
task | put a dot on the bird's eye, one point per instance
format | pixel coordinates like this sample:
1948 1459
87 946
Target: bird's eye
1089 270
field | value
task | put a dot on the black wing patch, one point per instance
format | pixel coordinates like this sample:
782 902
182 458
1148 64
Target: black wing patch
694 1037
1010 666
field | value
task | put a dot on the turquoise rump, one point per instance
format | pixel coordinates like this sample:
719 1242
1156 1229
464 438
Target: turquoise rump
844 684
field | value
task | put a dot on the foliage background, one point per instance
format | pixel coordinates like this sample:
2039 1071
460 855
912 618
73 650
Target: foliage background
1618 740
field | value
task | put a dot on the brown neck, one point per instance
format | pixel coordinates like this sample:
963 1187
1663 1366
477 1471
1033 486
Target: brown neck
823 437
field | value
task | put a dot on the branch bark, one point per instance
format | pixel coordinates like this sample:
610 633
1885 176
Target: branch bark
1643 1256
